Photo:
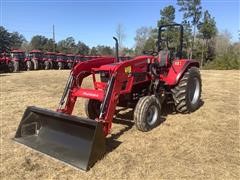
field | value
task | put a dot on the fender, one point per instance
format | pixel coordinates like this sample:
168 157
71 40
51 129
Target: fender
176 71
27 59
15 59
6 59
36 59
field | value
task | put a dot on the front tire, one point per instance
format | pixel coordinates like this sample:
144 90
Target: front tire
10 67
50 64
69 65
60 65
187 93
15 66
29 65
147 113
92 108
46 65
35 64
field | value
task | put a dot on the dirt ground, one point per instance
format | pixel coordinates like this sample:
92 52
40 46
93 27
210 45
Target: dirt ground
201 145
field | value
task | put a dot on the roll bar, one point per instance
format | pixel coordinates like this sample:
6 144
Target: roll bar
160 30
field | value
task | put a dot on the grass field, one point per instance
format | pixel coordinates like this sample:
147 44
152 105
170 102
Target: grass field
201 145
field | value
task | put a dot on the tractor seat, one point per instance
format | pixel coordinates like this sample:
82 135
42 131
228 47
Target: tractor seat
163 58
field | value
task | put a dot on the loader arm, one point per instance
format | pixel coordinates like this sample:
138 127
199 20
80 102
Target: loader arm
120 82
110 95
78 73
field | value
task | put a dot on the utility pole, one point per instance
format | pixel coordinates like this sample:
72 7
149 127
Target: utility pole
53 38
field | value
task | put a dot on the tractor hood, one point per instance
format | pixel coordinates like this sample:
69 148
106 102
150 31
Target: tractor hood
108 67
111 67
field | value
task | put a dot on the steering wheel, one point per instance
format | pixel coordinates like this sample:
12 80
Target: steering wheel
151 52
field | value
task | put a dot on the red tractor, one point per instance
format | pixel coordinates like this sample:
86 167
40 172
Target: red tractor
20 61
82 58
6 65
48 59
78 58
70 60
61 61
36 57
145 83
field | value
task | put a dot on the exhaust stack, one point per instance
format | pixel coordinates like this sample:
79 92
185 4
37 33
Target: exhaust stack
116 48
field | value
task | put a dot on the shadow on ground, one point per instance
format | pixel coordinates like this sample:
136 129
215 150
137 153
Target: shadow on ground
170 108
112 142
126 118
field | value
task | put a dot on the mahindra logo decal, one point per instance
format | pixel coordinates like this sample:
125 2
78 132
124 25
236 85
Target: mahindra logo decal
90 94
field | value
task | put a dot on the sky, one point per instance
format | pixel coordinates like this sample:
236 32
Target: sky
95 21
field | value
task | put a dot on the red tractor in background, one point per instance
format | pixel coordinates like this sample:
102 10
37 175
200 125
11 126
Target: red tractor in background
48 60
81 58
87 58
6 65
124 58
36 57
146 83
60 62
78 58
20 61
70 60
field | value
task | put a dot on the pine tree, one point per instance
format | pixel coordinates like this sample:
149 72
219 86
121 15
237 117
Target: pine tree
192 11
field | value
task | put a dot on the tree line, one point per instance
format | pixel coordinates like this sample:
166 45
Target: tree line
14 40
202 40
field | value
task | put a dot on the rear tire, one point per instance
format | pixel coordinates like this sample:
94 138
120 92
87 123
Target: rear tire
92 108
147 113
187 93
15 66
29 65
10 67
70 65
51 65
46 65
60 65
35 64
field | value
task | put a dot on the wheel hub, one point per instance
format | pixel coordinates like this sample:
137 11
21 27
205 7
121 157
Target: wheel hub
194 91
152 115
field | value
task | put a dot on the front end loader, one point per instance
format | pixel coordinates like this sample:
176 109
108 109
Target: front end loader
77 141
145 83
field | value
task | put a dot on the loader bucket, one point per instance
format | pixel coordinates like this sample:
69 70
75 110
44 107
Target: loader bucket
76 141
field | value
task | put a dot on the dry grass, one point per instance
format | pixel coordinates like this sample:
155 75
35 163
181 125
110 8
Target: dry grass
201 145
